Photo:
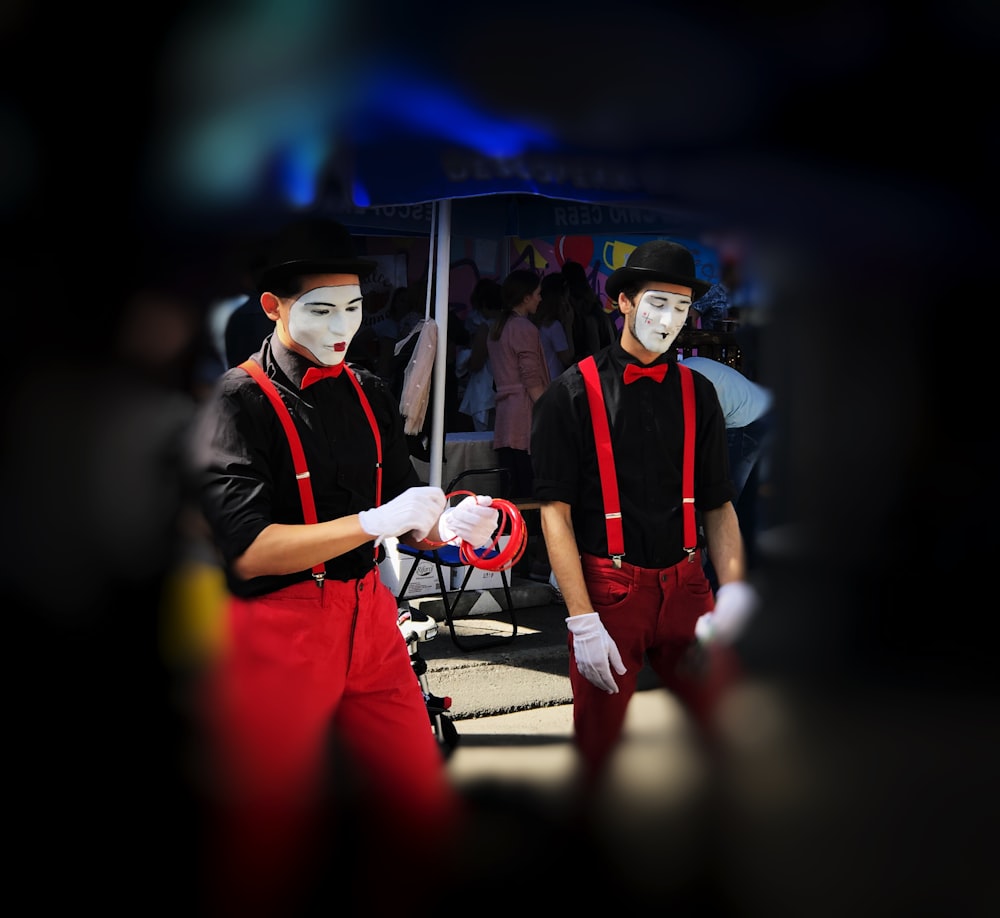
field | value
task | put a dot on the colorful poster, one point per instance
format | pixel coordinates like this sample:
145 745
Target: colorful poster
601 255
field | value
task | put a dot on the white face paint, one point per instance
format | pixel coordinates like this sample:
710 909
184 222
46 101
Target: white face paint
324 320
658 318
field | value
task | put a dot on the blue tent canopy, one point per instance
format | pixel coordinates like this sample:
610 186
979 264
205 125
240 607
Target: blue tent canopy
521 215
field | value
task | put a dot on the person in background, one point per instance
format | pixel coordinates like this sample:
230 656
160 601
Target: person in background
746 407
404 311
713 308
554 319
593 328
521 375
479 398
456 374
303 471
246 327
647 598
394 342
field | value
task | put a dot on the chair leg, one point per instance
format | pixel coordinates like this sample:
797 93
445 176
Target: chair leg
481 643
444 597
510 604
454 605
401 594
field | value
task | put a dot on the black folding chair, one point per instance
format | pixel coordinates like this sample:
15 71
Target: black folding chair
446 558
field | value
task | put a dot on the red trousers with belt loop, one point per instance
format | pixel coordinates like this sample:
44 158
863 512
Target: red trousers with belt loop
650 615
304 668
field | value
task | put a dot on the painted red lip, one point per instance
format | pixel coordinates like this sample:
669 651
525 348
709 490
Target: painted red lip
340 346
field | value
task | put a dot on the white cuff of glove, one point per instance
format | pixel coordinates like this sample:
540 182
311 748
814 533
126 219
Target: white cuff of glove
473 520
595 651
735 605
416 510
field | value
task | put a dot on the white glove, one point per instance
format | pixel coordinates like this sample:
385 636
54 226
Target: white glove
416 509
473 520
735 603
595 652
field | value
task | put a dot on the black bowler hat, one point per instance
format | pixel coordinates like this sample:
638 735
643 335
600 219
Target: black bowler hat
310 245
658 260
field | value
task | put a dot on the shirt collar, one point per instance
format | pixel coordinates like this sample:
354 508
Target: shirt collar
291 363
620 357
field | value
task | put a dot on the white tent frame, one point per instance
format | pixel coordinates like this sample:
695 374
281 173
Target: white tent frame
440 254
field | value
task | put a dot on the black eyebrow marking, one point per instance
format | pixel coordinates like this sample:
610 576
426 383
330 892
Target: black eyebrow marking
357 299
684 300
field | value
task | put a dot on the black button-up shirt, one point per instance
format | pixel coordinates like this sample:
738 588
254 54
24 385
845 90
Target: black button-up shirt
646 421
246 476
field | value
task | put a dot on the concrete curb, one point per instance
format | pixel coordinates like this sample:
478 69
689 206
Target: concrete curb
524 593
530 672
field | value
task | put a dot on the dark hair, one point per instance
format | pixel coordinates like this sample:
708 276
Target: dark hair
516 286
553 291
576 279
585 301
486 296
631 288
553 284
283 284
399 301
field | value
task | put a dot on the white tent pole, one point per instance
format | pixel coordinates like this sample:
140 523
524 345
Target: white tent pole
442 271
429 292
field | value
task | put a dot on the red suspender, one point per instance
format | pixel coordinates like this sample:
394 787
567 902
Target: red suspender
302 475
371 423
687 477
606 461
294 442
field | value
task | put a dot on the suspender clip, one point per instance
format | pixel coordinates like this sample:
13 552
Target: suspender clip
691 552
319 578
617 561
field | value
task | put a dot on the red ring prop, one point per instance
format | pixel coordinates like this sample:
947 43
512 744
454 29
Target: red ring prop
511 523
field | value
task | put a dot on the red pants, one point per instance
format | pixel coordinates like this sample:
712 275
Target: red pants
650 614
304 665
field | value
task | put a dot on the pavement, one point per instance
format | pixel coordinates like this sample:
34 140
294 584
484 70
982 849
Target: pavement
792 776
531 671
796 779
516 764
512 703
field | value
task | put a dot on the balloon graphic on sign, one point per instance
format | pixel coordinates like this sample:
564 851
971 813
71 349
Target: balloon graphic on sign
574 248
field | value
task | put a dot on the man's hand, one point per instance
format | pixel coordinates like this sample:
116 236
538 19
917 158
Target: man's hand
735 604
474 521
596 653
416 509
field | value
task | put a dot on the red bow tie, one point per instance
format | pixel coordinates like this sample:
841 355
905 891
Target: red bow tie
633 372
315 374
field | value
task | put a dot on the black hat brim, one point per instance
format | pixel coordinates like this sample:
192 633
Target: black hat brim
626 275
360 266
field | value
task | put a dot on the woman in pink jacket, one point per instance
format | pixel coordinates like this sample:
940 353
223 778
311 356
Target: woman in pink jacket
520 376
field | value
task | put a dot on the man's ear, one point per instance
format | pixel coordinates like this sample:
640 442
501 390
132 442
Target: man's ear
269 303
